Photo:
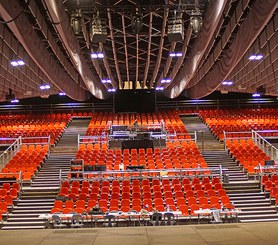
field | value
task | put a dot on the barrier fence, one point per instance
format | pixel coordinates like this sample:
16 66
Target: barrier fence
16 145
258 138
265 145
146 174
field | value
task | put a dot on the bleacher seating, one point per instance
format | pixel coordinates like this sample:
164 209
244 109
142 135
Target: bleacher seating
247 153
101 121
240 120
128 195
179 154
33 125
9 194
27 160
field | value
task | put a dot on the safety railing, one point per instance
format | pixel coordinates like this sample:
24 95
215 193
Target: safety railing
182 137
16 176
36 140
10 151
101 139
147 174
16 145
265 145
268 134
265 170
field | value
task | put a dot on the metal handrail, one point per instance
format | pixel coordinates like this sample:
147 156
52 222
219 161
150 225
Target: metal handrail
265 145
60 177
10 151
192 135
92 139
47 140
221 173
144 173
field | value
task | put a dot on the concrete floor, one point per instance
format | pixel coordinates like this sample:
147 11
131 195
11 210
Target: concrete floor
253 234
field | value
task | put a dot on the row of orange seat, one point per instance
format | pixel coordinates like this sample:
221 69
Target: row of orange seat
35 125
27 160
181 155
240 120
101 121
270 187
8 195
157 195
247 153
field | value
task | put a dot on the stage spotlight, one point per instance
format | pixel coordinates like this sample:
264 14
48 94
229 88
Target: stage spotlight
75 20
98 32
196 21
136 22
175 31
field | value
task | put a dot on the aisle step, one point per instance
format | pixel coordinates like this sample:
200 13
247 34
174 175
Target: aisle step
39 198
23 227
245 194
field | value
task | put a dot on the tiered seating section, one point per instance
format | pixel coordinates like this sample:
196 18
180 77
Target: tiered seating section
37 125
174 194
101 121
270 187
247 153
240 120
9 194
28 160
178 154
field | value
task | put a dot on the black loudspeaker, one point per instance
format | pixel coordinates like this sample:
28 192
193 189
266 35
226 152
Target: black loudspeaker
143 136
98 167
269 163
146 136
137 144
134 168
88 168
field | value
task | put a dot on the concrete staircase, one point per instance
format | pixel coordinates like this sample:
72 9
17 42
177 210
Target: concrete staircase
38 198
254 205
234 172
244 193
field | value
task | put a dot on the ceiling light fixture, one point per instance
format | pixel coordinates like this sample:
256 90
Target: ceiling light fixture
97 55
17 63
227 83
106 80
256 95
159 88
166 80
173 54
45 86
256 57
